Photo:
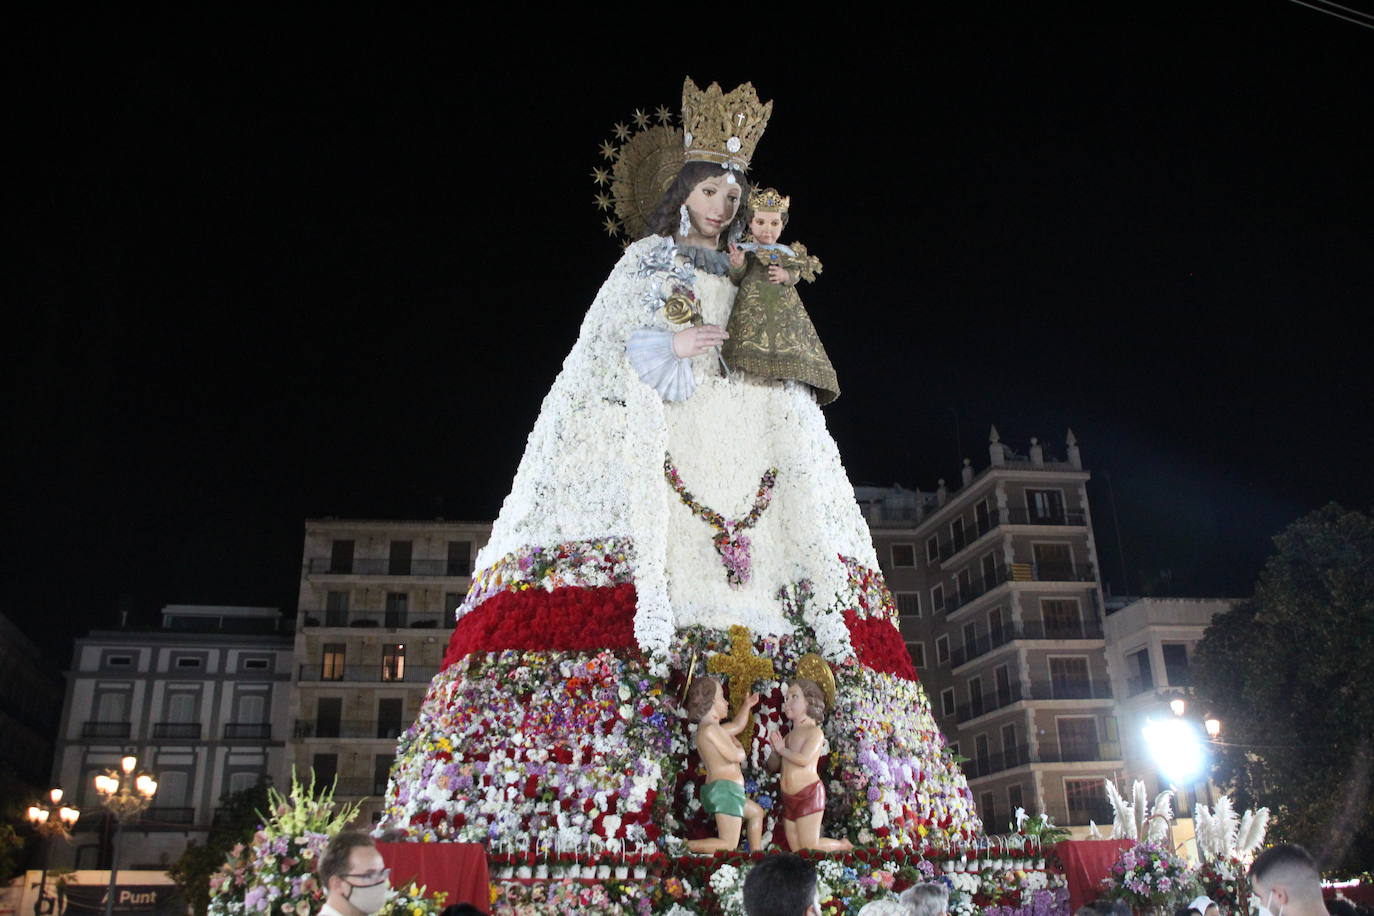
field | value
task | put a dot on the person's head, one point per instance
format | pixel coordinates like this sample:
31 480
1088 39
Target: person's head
781 885
804 698
353 875
1285 877
712 200
768 214
1205 906
929 899
461 909
884 908
706 696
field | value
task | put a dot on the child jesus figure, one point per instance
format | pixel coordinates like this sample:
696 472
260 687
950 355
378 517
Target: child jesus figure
723 757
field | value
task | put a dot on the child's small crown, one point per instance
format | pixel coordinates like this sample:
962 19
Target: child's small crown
769 199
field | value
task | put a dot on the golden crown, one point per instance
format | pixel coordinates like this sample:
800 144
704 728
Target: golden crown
769 200
722 128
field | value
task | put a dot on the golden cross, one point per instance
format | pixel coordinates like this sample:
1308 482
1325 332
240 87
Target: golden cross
743 668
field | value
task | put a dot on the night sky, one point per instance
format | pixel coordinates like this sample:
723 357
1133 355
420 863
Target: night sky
263 271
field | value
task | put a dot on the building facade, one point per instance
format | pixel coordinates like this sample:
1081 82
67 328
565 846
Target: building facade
30 703
376 608
201 702
998 586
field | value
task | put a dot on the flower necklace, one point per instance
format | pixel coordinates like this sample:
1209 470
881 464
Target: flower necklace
730 541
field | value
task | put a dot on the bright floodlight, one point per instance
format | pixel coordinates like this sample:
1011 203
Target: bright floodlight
1177 750
1178 705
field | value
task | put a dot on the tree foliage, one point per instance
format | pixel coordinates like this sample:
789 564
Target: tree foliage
236 819
1289 674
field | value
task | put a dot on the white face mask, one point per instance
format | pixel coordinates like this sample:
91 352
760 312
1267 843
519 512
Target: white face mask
1263 909
371 898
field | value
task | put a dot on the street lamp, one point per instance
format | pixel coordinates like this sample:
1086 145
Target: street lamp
50 819
125 793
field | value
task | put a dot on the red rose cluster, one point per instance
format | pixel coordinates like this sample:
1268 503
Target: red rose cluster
568 618
879 645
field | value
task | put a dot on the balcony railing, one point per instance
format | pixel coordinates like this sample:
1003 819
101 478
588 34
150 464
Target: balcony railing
1026 517
258 731
978 586
348 728
1021 754
1136 685
1031 629
1098 811
160 814
356 787
416 620
184 730
411 674
106 729
1071 690
374 566
988 702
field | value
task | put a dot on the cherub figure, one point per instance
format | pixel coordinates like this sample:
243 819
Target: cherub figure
803 796
723 756
770 334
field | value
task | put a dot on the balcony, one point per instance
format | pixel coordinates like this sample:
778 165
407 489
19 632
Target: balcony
988 702
106 729
1026 517
392 620
1032 629
1136 685
348 728
356 787
247 731
1020 755
410 674
1097 810
184 730
159 814
1071 690
381 566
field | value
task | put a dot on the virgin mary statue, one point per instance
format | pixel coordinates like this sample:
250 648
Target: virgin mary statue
669 519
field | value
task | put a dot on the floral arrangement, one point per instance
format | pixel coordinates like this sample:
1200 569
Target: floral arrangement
730 540
1226 844
275 872
413 900
1149 875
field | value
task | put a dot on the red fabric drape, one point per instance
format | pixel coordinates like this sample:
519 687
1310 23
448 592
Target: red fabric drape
458 869
1086 863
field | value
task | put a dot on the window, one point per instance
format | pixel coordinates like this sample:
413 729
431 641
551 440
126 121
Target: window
119 661
1087 800
397 604
452 600
909 604
942 649
394 662
956 534
251 708
966 585
989 569
389 722
1010 751
933 548
112 707
171 789
1139 676
328 717
326 768
1014 798
256 664
1069 678
181 708
381 769
1176 665
975 699
332 664
947 702
1077 738
954 749
970 639
459 558
1045 506
398 563
996 631
937 598
1061 618
987 810
186 661
918 653
1053 562
980 753
341 557
1001 678
241 781
336 609
982 517
903 555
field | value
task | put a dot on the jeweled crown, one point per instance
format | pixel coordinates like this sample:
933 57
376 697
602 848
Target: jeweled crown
722 128
769 200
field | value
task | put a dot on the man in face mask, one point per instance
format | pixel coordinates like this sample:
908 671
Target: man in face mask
782 885
1286 882
353 875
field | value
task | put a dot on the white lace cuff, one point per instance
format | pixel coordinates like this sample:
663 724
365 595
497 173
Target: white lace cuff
651 354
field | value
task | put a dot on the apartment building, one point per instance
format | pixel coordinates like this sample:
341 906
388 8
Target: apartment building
376 608
998 586
201 701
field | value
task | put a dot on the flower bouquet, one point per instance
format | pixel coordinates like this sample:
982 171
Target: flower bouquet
1148 875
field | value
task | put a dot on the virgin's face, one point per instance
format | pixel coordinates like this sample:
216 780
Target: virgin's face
766 226
712 204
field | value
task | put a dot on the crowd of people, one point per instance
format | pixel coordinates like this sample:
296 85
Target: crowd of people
1284 881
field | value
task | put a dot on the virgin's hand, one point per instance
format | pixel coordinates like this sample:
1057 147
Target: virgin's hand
736 256
691 342
779 275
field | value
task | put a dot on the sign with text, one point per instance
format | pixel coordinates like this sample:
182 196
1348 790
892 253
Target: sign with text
130 900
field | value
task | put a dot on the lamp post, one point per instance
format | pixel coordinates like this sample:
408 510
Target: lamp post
124 793
50 819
